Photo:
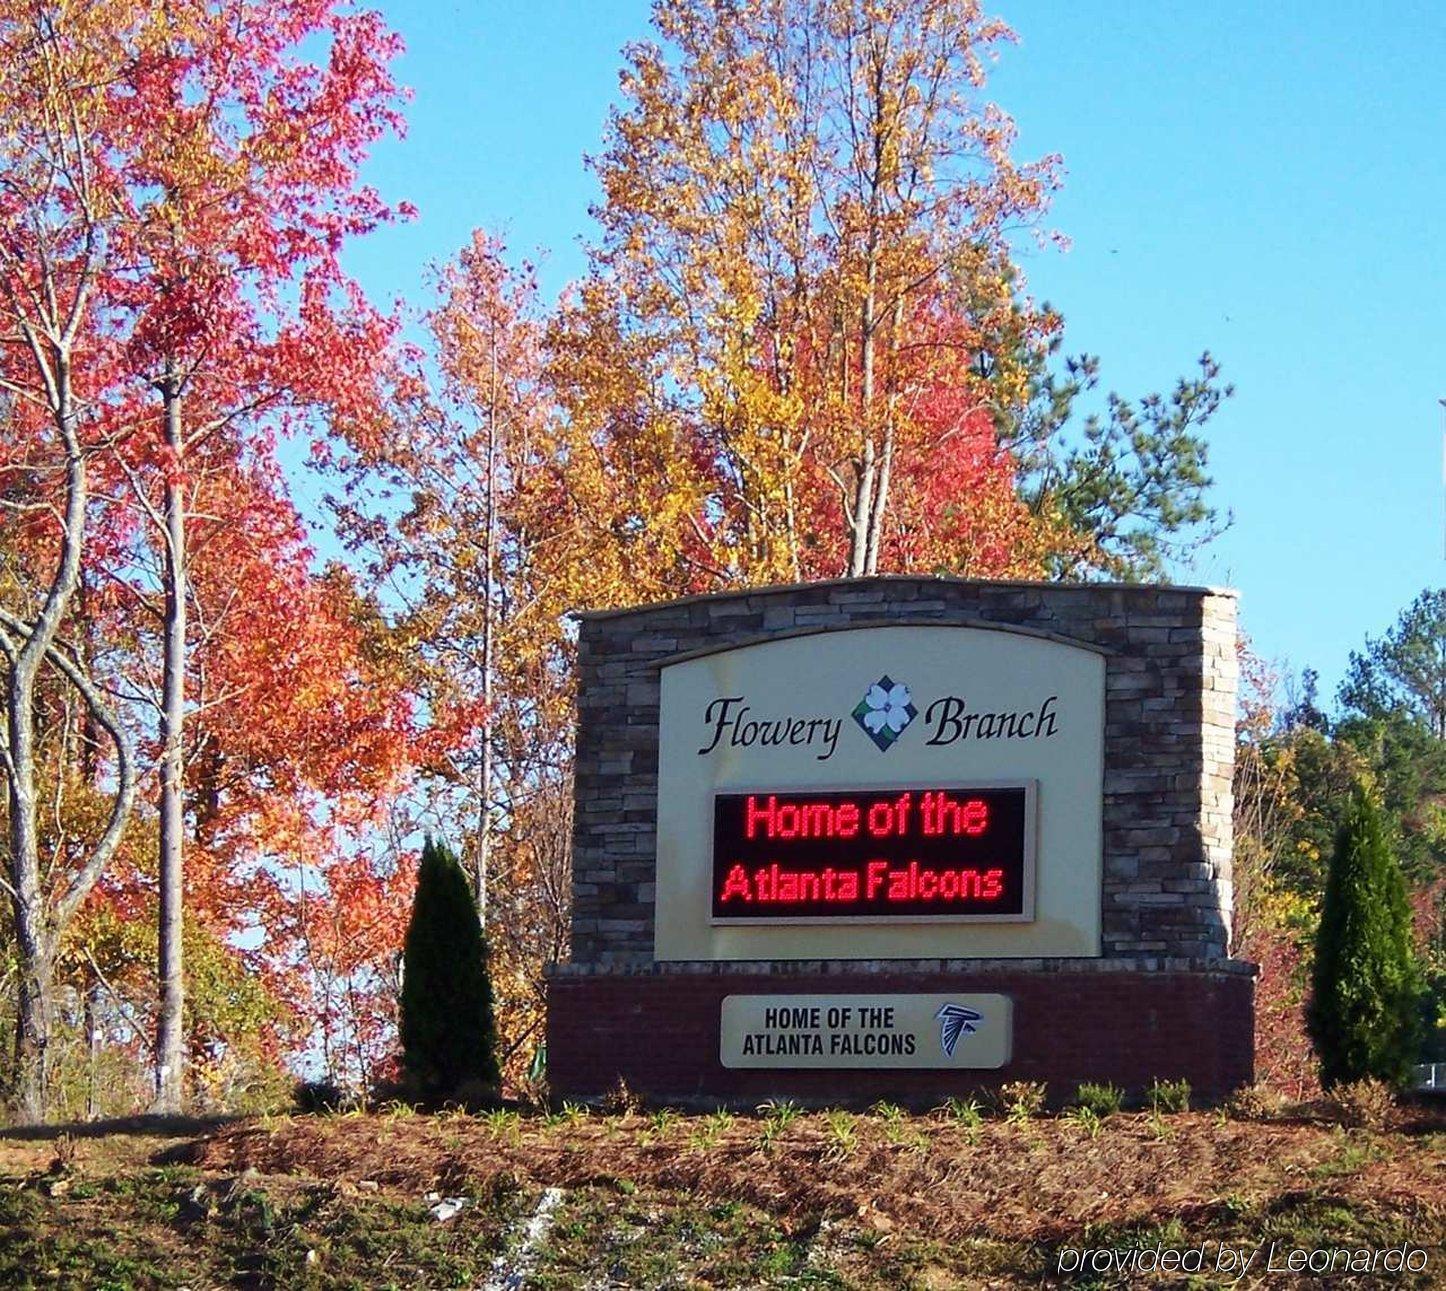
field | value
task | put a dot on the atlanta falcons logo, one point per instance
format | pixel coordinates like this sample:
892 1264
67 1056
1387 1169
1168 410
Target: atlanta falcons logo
954 1020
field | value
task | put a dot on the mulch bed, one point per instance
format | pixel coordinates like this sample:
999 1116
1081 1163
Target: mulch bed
1039 1181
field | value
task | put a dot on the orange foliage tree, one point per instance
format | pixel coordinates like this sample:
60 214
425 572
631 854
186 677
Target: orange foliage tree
301 732
179 182
240 164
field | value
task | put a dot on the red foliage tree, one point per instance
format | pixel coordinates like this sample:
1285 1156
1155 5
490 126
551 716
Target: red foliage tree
238 156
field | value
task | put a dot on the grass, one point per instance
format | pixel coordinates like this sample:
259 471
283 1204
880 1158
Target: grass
843 1133
1356 1150
710 1129
966 1113
658 1240
791 1198
1230 1232
1086 1119
171 1228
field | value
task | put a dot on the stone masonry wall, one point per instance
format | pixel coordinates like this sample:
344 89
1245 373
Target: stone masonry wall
1170 680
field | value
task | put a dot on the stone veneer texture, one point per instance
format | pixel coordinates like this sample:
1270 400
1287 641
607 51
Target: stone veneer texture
1170 682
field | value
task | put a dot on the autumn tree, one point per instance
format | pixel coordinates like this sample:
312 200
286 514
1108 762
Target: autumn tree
240 163
804 244
178 184
455 506
300 735
437 521
58 355
1285 772
805 348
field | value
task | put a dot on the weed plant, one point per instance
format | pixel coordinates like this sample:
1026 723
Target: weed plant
1169 1096
1102 1100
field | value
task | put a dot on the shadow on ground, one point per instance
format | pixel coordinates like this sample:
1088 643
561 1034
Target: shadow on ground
140 1126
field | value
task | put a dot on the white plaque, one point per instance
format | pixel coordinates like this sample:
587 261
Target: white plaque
866 1031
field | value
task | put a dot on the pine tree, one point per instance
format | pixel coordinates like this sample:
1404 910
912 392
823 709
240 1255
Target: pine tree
1366 986
448 1039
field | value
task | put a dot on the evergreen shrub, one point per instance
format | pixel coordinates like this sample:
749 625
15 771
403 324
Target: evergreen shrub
1364 1014
448 1034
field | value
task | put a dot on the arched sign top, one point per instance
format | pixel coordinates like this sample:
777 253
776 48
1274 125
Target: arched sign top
967 625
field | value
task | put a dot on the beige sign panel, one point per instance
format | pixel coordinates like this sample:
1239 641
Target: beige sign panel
866 1031
904 708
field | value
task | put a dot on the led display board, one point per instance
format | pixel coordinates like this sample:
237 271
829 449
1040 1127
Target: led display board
917 853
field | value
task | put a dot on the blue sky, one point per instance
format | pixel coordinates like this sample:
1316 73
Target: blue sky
1264 181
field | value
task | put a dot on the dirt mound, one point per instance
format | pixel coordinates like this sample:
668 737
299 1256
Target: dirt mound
1037 1181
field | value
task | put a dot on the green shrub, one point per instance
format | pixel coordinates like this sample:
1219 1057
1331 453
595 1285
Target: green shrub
1169 1096
447 1030
1364 1014
1102 1100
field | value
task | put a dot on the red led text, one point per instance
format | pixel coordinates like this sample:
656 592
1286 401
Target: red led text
886 852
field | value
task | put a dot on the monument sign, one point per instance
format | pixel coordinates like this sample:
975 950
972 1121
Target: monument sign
903 837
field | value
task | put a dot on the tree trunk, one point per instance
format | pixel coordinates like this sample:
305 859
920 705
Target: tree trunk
170 1037
32 1032
886 462
32 1049
90 728
92 1045
867 481
484 775
25 650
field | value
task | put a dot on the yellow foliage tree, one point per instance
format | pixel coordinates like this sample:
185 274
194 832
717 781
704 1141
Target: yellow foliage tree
804 247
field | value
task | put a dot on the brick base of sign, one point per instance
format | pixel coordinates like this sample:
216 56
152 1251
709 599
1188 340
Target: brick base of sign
1125 1022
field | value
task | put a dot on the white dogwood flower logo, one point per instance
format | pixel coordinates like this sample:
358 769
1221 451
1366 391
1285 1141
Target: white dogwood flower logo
887 708
884 711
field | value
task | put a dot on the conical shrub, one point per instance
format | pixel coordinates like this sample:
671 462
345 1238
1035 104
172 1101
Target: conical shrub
447 1031
1364 1014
